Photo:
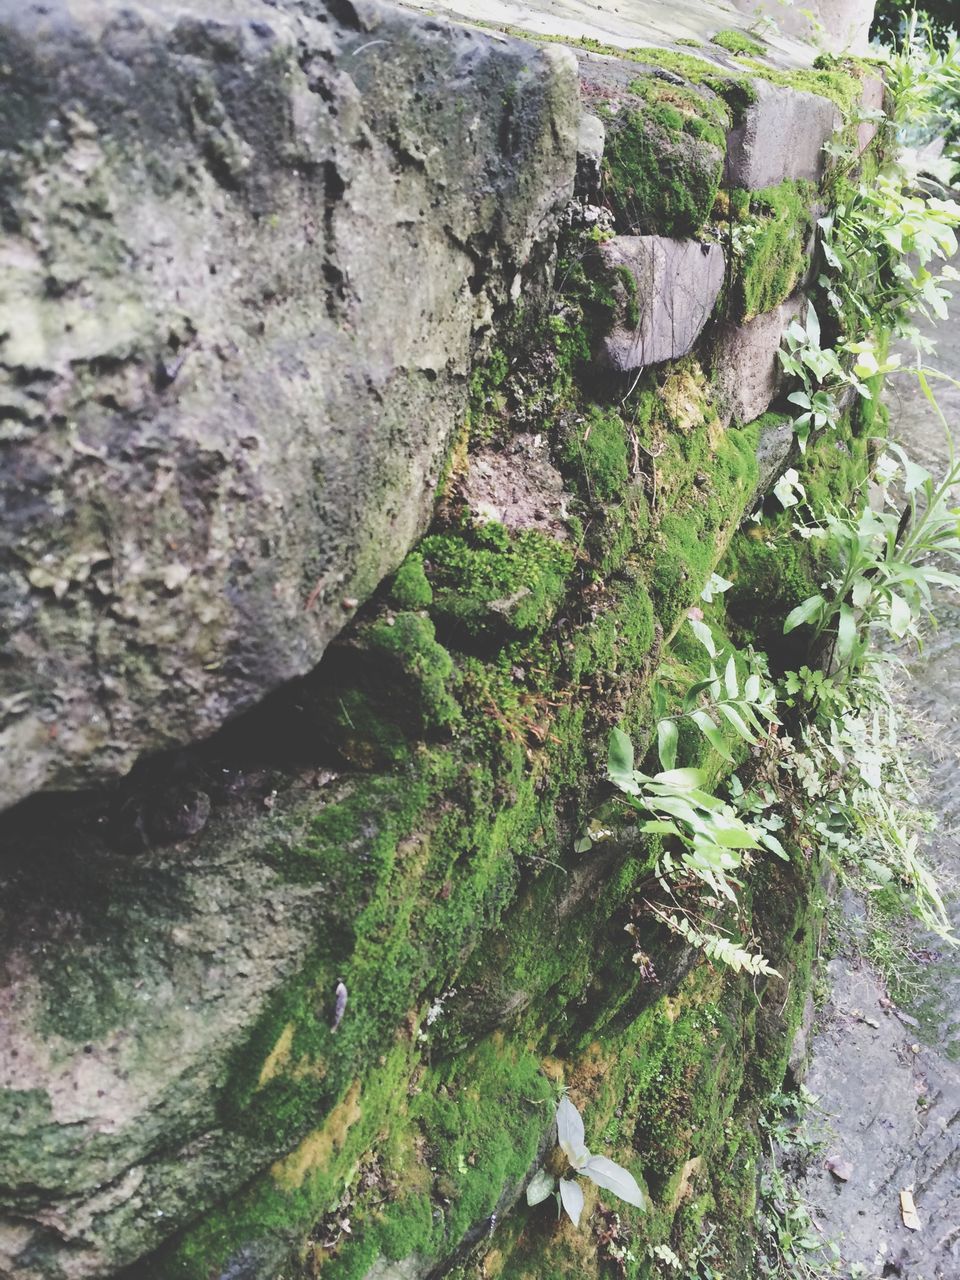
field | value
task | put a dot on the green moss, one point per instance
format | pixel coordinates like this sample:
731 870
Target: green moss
486 407
735 91
738 42
836 82
486 580
775 234
410 589
594 452
662 162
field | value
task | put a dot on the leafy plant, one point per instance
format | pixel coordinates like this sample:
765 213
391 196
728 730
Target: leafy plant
748 709
603 1172
889 561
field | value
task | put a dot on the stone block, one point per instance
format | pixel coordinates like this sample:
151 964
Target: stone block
676 284
746 369
781 137
245 253
871 100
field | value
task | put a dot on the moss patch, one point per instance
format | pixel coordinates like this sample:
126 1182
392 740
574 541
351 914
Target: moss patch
774 230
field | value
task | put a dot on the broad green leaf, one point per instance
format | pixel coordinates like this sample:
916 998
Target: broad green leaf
811 608
704 635
733 717
571 1197
667 737
900 615
657 827
541 1185
846 632
570 1134
711 732
751 687
613 1177
774 845
620 761
682 779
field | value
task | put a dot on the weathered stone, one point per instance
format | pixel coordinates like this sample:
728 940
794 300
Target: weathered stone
245 256
676 285
115 1038
628 24
781 136
773 450
745 364
837 26
871 100
590 143
519 487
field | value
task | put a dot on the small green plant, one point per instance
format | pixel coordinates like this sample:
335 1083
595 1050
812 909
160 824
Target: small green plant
605 1173
888 562
749 710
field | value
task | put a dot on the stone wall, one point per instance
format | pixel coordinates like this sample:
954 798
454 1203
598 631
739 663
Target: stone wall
448 357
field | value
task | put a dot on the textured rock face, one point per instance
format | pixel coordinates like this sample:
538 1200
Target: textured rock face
243 267
676 284
839 26
112 1043
745 362
781 137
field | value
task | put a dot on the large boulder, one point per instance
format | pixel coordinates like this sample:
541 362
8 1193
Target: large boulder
246 251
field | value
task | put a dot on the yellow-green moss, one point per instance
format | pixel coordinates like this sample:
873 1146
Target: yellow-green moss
775 232
738 42
486 580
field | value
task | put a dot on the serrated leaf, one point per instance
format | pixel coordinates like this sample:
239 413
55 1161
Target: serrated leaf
570 1133
541 1185
668 736
571 1197
613 1177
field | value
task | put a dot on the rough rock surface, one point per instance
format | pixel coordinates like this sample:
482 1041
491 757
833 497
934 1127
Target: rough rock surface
677 283
838 26
781 137
243 268
113 1039
745 362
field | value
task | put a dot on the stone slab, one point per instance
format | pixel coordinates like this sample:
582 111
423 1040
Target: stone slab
677 284
836 26
781 137
627 24
245 262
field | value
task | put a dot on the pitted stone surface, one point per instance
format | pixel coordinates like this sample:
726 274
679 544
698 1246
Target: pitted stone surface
244 260
677 285
781 137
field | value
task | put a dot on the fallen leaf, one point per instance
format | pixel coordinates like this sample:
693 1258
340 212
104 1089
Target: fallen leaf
908 1210
839 1167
